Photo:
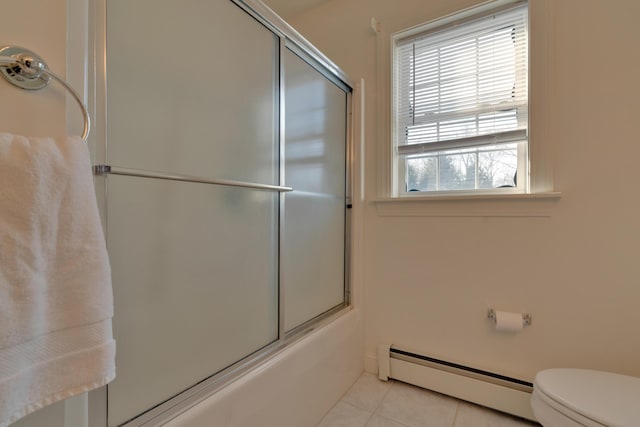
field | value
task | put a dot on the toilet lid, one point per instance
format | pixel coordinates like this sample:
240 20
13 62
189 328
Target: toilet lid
610 399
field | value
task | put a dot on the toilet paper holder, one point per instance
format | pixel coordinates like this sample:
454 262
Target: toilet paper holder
526 317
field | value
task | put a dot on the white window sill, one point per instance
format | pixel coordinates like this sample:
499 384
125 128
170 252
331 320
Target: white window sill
470 205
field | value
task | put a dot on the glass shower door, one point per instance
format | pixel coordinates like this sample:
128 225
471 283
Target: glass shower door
313 242
195 265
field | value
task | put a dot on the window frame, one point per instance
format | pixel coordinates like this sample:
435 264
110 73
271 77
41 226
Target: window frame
398 169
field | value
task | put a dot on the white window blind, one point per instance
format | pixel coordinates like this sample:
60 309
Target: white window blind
462 86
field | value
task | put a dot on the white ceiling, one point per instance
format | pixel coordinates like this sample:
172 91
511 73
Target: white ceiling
290 8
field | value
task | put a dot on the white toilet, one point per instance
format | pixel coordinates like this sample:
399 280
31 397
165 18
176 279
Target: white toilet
579 397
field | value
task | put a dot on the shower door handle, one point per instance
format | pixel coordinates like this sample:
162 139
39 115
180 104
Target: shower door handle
99 170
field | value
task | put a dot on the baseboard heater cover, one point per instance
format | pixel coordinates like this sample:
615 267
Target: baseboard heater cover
496 391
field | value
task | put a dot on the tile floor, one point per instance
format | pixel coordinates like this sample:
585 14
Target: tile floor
374 403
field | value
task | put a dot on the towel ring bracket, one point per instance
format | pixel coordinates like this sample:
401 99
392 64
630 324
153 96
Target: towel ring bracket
27 70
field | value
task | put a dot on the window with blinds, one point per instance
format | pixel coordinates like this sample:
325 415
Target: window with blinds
460 104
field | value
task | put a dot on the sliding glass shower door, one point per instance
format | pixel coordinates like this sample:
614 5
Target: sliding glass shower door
315 165
211 111
194 264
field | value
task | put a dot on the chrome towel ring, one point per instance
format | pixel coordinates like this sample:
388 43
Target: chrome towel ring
27 70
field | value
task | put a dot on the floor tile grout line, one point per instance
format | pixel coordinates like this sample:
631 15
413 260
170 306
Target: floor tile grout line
368 419
351 405
455 416
361 409
384 395
457 401
392 383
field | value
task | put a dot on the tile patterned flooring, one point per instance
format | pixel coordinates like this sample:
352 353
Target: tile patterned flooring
374 403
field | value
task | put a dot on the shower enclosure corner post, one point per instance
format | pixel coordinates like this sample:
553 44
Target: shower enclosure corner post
95 62
282 177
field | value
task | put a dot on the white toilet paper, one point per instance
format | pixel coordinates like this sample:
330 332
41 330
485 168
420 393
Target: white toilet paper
508 322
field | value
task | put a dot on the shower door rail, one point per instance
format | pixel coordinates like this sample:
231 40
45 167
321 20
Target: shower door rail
100 170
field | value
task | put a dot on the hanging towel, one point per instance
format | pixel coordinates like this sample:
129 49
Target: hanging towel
56 301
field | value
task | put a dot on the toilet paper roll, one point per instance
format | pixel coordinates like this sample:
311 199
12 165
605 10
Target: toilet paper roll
508 322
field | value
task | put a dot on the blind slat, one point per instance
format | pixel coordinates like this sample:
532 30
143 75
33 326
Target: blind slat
463 86
507 137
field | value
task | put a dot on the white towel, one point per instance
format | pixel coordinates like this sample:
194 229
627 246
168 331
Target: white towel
56 300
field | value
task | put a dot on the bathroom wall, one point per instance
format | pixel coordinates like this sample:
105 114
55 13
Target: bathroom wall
430 280
38 25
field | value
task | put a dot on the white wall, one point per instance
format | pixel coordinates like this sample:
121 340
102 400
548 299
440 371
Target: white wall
39 26
430 280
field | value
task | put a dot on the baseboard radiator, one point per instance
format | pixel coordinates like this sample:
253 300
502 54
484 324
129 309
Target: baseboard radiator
484 388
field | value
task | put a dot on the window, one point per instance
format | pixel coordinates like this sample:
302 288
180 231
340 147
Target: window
460 93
